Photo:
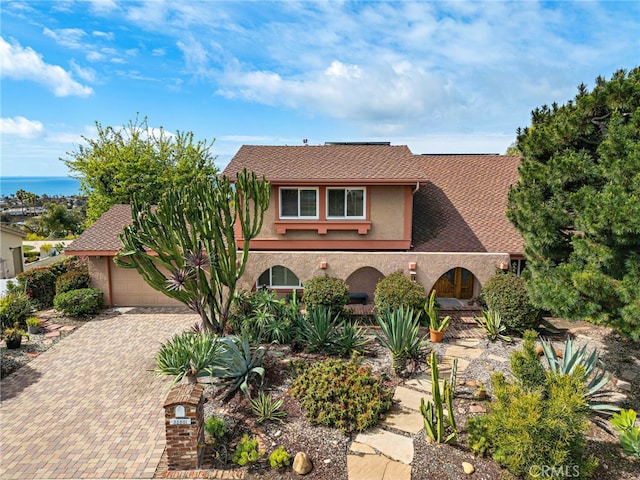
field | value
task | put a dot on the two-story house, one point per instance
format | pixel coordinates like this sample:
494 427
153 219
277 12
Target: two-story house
357 211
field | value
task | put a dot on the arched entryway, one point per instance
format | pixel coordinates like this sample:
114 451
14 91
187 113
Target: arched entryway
456 283
364 280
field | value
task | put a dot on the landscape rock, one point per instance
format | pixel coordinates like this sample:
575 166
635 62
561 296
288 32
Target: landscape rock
301 464
468 468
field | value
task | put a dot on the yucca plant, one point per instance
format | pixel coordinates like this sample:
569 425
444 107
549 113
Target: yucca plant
265 408
236 363
491 323
350 339
188 355
318 328
595 374
400 333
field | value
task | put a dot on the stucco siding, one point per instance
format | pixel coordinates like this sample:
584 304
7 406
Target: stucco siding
430 266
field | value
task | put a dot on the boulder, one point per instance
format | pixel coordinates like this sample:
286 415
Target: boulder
468 468
301 464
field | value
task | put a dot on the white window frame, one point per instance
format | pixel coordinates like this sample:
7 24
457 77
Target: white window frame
302 217
278 287
345 216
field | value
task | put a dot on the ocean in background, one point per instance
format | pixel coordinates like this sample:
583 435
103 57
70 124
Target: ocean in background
52 186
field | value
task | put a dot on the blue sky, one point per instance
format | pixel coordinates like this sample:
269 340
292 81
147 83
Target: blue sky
440 77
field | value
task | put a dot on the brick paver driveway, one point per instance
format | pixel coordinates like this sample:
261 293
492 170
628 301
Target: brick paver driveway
89 407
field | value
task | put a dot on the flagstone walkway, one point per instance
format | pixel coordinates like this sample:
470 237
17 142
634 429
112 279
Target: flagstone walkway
386 453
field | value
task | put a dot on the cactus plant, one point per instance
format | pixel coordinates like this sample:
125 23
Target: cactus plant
435 420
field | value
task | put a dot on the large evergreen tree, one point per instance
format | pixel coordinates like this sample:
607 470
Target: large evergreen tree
577 204
136 159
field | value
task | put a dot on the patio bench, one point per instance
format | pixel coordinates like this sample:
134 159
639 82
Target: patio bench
360 297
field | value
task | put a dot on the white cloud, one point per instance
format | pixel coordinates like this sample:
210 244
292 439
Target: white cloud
86 74
105 35
67 37
21 127
158 52
21 63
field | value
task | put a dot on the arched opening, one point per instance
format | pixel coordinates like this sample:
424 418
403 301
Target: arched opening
364 281
278 277
456 283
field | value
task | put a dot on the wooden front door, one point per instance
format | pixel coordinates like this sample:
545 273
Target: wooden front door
456 283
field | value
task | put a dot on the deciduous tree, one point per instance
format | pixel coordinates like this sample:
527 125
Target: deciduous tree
186 247
577 203
136 159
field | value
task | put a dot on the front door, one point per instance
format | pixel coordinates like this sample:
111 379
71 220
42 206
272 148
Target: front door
456 283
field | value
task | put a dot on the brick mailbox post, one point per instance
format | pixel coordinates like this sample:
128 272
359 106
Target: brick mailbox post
184 424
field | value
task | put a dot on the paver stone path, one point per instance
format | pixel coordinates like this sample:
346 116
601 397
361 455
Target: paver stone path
90 406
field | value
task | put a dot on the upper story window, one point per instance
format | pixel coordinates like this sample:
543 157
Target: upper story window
299 203
345 202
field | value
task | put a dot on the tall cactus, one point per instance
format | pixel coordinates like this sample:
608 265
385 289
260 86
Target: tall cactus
187 248
435 420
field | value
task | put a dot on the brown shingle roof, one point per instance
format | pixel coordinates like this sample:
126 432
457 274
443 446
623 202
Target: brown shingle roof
381 164
462 207
101 238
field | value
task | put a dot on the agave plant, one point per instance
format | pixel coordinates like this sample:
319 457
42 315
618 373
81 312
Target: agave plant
491 323
400 333
236 363
595 376
318 329
350 338
265 408
188 355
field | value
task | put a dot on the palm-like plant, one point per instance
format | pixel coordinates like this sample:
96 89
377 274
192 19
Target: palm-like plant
595 374
188 355
350 338
236 363
491 323
400 333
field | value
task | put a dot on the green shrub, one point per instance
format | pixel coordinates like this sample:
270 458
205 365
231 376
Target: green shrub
72 280
625 424
40 286
396 291
188 354
279 458
324 291
85 301
537 428
343 395
526 365
246 451
264 316
14 307
215 428
68 264
506 294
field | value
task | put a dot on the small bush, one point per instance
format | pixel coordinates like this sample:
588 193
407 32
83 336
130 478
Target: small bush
14 307
247 451
528 429
396 290
40 286
279 458
324 291
526 365
215 428
68 264
73 280
85 301
343 395
506 294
